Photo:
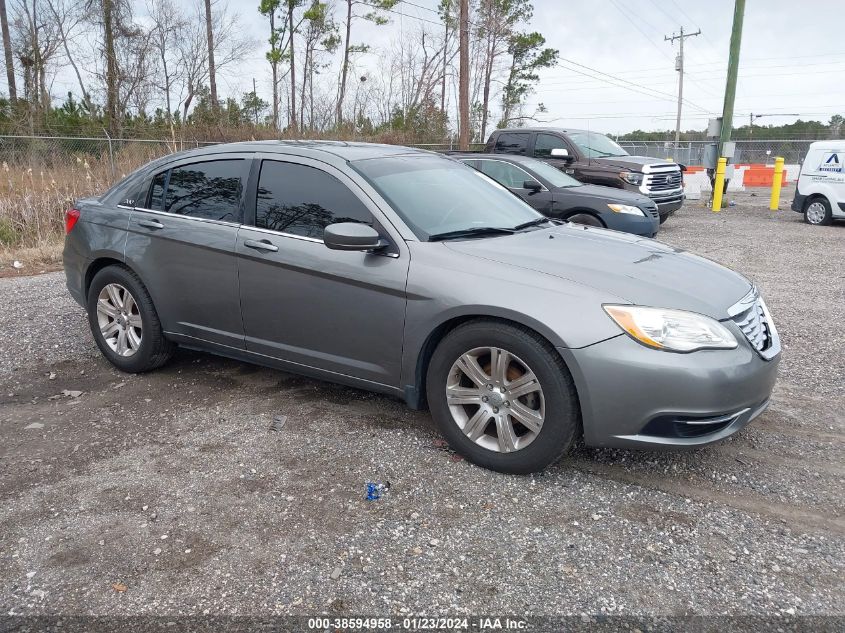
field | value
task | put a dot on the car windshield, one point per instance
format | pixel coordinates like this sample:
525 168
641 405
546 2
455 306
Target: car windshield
554 176
436 195
596 145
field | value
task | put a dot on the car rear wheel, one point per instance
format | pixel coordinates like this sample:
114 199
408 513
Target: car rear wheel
817 212
585 218
124 321
502 397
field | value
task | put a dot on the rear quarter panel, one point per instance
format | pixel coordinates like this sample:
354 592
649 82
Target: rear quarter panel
99 233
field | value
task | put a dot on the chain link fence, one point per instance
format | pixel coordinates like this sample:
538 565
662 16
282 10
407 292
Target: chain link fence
40 176
692 152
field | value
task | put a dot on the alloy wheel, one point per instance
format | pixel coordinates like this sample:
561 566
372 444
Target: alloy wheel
119 320
495 399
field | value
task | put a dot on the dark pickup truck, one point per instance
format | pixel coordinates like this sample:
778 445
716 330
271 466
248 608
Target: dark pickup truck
594 158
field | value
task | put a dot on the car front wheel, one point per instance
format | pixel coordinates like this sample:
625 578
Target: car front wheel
818 212
502 397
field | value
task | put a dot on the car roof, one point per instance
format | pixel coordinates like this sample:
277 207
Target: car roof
827 144
564 130
344 150
511 158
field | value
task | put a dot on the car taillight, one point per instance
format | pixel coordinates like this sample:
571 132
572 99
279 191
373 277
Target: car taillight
71 217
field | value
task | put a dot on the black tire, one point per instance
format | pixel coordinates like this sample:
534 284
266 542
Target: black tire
828 212
154 350
587 219
665 216
562 420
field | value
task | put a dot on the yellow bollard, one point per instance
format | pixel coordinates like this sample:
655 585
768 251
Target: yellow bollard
776 181
719 184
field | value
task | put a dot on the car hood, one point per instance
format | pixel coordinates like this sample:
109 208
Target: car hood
636 270
608 194
632 163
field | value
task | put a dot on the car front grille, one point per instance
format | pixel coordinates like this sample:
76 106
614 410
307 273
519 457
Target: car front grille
754 323
665 181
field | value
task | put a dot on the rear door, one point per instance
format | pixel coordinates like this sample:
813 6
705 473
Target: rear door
512 143
513 177
338 311
182 244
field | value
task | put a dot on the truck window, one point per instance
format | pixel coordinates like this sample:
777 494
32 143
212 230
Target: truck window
545 143
512 143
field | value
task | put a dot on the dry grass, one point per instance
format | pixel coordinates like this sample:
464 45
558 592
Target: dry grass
33 199
35 259
42 179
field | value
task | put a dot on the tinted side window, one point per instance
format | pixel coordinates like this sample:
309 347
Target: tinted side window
512 143
157 193
545 143
210 190
504 173
304 200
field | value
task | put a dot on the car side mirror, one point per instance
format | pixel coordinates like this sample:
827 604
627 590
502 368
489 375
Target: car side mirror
352 236
559 152
532 185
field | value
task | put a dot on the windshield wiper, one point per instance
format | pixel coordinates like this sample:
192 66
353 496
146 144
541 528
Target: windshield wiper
534 222
471 232
598 151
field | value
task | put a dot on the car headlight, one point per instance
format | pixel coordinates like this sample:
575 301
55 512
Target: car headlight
632 177
671 330
626 208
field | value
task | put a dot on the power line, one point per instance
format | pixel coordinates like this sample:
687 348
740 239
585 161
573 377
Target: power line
630 18
631 83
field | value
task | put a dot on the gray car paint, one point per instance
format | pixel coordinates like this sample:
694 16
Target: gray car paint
370 320
638 270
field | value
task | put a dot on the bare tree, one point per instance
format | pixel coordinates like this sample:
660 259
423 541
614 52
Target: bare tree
320 36
7 51
70 16
230 45
212 73
37 43
112 121
169 24
375 16
463 98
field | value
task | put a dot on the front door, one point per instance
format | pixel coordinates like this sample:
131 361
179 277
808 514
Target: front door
338 311
181 241
513 177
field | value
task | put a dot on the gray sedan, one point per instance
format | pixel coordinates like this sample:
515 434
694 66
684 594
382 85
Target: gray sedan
403 272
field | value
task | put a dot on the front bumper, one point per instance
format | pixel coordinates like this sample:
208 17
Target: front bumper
635 397
647 225
798 202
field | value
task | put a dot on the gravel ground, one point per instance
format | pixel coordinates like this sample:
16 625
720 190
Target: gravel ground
166 493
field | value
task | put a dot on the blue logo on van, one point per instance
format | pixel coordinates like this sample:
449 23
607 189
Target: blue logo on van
831 163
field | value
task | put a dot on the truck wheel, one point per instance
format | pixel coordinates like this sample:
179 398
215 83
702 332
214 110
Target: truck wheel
502 397
817 211
665 216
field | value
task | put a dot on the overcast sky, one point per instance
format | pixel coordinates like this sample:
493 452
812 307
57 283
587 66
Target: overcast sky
792 61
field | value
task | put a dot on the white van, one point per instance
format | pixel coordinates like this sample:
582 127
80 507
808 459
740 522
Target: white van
820 194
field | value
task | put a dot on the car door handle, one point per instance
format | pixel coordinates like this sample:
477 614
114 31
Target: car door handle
151 224
261 245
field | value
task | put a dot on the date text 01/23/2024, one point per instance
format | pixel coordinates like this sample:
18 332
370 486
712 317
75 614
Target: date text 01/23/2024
417 624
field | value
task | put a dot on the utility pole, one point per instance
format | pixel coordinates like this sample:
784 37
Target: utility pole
733 71
254 102
463 83
679 66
